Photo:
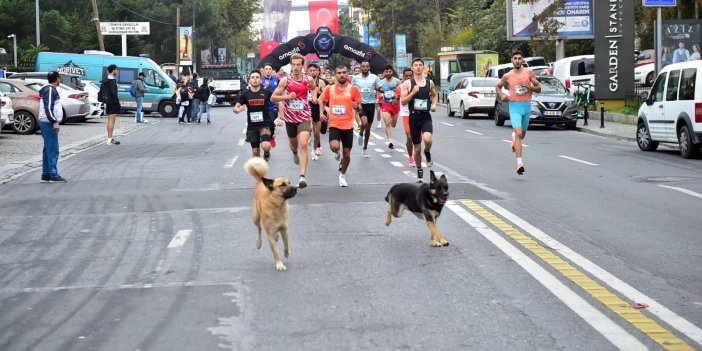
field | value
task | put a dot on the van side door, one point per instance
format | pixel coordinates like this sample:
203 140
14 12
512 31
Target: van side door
654 109
673 106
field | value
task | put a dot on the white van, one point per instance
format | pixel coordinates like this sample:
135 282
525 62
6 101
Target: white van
673 111
498 71
575 70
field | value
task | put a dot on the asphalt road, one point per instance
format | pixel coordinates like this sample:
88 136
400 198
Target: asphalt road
151 246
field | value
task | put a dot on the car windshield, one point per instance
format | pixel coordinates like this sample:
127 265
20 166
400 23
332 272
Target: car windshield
552 86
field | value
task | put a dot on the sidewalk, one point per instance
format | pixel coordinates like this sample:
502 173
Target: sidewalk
617 130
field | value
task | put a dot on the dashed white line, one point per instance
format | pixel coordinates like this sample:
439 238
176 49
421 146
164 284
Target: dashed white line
397 164
180 238
474 132
448 124
385 155
577 160
682 190
377 149
241 141
509 141
230 164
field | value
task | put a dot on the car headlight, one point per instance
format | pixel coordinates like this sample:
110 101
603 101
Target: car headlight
570 102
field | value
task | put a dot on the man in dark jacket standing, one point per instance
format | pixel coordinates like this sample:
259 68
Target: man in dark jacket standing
139 91
50 115
196 100
111 102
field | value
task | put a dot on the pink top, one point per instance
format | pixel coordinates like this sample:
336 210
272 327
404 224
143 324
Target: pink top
519 84
298 110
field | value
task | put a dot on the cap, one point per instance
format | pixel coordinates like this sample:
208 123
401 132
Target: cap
142 74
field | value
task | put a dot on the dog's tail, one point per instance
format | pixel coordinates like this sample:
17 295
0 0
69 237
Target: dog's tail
257 168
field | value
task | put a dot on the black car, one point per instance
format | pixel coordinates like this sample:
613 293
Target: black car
554 105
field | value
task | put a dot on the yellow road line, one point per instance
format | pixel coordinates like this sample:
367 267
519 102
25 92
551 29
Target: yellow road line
635 317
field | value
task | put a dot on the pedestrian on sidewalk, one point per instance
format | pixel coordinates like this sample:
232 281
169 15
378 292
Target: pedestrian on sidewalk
50 117
204 93
186 98
139 91
109 94
194 85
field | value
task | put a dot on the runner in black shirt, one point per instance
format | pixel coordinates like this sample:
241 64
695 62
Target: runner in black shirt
258 130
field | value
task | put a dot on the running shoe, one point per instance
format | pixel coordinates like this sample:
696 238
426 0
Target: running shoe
380 125
296 158
391 145
411 162
302 182
520 168
511 145
427 155
420 175
58 179
267 156
45 178
112 142
319 151
360 138
313 155
342 181
337 156
365 153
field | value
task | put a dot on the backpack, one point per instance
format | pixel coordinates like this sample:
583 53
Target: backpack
102 94
132 90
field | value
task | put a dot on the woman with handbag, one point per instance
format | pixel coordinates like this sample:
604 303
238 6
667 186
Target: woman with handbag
207 97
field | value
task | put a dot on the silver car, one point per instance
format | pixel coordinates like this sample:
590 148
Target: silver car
76 105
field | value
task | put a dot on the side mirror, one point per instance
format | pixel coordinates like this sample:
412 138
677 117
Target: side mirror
163 85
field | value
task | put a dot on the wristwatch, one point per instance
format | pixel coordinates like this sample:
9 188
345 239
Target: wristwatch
324 42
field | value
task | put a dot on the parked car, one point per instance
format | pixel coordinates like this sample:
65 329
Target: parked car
535 61
645 57
576 69
6 111
472 95
554 105
72 80
97 108
25 102
541 70
75 102
645 74
672 113
456 78
498 71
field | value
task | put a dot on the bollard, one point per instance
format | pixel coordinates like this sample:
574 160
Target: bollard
602 114
586 114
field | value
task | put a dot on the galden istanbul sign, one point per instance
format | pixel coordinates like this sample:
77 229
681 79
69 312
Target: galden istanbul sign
125 28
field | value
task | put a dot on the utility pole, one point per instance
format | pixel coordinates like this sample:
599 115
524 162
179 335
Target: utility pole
194 37
177 41
37 23
97 25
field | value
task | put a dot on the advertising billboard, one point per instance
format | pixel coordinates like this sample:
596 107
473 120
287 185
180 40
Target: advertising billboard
401 50
370 39
614 43
186 45
575 18
681 41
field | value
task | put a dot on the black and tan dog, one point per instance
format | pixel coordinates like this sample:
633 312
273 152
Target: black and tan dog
270 207
424 200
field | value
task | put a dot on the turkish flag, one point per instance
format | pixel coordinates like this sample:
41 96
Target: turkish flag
267 47
324 13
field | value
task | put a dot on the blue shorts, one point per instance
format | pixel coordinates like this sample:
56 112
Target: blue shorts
519 114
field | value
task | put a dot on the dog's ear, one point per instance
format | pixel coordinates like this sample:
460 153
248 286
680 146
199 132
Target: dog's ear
268 183
443 178
432 176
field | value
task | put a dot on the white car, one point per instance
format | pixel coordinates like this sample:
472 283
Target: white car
575 70
645 74
472 95
7 114
673 111
96 108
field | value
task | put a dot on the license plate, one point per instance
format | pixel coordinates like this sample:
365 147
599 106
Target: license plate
552 113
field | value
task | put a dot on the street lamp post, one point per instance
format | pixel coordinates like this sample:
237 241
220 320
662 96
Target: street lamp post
14 42
37 20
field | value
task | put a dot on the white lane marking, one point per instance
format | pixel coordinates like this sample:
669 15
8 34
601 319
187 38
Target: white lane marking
598 320
377 136
386 155
399 149
241 141
230 164
409 173
577 160
370 143
509 141
180 238
397 164
377 149
682 190
448 124
474 132
666 315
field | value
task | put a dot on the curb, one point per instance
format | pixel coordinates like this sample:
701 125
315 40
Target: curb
606 135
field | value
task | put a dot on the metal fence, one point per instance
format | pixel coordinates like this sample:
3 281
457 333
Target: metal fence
637 96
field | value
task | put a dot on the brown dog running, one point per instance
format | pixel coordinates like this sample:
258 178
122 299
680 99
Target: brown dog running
270 206
424 200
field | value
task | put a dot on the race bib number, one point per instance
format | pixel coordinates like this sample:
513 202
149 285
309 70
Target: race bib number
296 105
421 104
185 103
366 90
521 90
339 110
389 95
256 116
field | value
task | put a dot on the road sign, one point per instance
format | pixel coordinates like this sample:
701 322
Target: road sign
660 3
250 55
125 28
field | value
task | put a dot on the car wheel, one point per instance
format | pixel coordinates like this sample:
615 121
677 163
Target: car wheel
687 148
167 109
499 121
643 138
448 108
65 119
24 123
462 111
649 79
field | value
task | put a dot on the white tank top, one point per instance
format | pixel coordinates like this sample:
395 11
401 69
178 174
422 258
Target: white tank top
404 109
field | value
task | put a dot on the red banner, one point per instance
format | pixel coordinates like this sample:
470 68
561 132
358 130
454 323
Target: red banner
267 47
324 13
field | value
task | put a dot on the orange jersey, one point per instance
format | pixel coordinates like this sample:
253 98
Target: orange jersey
340 104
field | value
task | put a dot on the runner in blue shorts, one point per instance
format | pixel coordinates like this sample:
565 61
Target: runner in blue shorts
522 83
